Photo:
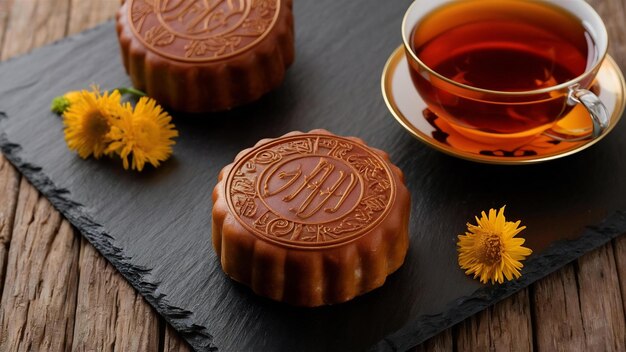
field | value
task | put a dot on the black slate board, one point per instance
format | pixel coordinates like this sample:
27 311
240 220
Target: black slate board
155 226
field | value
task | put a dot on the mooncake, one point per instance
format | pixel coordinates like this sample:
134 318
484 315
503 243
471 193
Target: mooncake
203 56
311 219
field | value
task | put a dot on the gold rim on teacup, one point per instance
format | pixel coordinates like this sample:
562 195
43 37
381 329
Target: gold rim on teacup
398 96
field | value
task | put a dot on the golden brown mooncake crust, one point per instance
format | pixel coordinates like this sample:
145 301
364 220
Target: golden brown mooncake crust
194 58
311 218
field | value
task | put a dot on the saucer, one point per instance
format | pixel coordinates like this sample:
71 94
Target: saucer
411 112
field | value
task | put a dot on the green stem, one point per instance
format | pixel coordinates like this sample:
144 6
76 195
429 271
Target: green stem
131 91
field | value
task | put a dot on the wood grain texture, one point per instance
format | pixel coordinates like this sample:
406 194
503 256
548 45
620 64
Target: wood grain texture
34 23
86 14
503 327
440 343
82 15
5 6
109 313
37 310
173 342
600 301
137 325
558 320
107 302
619 247
9 179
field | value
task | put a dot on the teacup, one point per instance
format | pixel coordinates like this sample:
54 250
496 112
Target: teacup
505 71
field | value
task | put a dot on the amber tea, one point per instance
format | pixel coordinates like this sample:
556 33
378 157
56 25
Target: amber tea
505 46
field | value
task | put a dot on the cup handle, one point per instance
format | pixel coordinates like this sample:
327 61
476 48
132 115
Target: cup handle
597 111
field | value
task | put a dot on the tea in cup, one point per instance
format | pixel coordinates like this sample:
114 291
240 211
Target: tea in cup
505 71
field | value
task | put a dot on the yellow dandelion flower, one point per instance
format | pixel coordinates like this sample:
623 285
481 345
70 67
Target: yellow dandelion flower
88 121
490 250
73 96
145 133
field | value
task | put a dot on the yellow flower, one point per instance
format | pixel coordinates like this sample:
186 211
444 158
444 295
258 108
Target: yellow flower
490 250
88 121
146 133
72 96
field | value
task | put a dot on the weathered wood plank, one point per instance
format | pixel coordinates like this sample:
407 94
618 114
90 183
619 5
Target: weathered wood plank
9 182
86 14
37 310
558 320
34 23
137 326
503 327
96 308
619 246
613 13
39 295
173 342
9 177
440 343
600 301
109 313
5 6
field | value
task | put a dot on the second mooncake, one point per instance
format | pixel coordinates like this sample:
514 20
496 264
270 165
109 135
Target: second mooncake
201 56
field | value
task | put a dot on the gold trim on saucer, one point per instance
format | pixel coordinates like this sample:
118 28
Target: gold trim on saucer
616 89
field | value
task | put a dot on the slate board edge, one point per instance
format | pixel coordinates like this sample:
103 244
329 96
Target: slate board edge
412 334
181 319
196 335
556 256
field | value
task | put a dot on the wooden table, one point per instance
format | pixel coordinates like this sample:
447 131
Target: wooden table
58 293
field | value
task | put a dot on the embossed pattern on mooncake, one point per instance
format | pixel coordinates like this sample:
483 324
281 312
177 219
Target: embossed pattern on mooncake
310 190
201 30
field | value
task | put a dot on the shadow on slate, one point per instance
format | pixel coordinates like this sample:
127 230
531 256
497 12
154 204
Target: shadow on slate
155 227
